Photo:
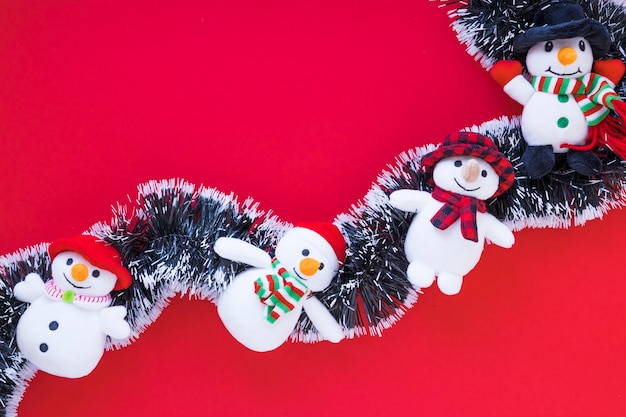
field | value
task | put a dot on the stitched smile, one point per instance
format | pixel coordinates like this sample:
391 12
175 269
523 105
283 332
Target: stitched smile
74 285
298 275
564 74
466 189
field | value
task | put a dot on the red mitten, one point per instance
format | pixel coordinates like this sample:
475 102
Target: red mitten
505 71
613 69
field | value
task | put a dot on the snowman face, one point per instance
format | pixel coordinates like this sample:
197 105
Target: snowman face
71 271
566 58
466 175
309 256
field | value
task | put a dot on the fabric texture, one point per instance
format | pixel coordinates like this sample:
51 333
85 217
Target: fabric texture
281 291
472 144
457 206
593 93
562 20
98 253
85 301
331 234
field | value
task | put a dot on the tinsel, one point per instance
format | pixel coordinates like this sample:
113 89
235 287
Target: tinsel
165 238
165 235
487 27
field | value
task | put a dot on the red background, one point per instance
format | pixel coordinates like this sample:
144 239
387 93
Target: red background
299 106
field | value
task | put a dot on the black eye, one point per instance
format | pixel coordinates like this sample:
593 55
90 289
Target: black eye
581 45
305 252
483 173
69 261
549 46
458 163
95 273
321 266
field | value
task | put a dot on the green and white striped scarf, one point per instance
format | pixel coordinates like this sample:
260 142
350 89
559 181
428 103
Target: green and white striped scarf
593 93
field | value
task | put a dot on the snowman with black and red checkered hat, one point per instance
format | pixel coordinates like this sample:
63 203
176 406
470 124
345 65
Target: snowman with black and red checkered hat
446 238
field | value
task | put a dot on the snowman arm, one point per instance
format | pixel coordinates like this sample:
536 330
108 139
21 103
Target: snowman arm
409 200
30 289
237 250
112 322
498 233
323 321
519 89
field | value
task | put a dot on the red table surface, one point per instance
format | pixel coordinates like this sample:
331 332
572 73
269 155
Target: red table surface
300 106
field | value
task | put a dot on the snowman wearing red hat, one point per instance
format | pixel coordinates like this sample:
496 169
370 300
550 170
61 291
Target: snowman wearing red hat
262 305
446 238
566 105
64 330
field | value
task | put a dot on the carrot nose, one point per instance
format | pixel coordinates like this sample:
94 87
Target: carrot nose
567 55
80 272
309 266
470 170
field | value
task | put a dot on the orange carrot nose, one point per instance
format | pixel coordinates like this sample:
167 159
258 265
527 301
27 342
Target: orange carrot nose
80 272
309 266
470 170
567 55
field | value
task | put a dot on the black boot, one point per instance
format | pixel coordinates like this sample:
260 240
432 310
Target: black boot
584 162
537 161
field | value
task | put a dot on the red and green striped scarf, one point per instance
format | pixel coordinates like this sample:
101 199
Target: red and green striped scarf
593 93
281 292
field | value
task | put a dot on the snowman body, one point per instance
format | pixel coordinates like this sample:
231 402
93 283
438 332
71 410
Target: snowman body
444 250
245 317
553 119
61 338
306 257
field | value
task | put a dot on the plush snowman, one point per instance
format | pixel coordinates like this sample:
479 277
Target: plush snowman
262 305
63 331
564 102
446 238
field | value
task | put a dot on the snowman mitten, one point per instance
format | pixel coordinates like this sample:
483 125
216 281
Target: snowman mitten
537 161
30 289
585 163
113 323
504 71
613 69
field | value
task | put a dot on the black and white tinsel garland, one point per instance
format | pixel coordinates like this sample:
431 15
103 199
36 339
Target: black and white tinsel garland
165 239
166 235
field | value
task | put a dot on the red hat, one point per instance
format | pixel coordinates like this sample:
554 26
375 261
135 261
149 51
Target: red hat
97 252
331 234
472 144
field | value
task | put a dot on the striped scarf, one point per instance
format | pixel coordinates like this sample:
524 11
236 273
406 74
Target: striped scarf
281 291
85 301
593 93
458 206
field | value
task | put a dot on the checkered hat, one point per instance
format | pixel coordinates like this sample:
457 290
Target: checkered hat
472 144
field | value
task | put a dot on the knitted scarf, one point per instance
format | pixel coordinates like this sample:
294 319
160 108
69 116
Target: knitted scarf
593 93
458 206
281 291
83 301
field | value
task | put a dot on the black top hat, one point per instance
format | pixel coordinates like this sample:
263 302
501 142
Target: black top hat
562 20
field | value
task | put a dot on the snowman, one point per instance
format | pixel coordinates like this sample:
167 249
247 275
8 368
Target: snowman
446 238
63 331
262 305
564 102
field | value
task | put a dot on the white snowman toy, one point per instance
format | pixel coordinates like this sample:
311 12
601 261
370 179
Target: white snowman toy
446 238
564 101
262 305
64 329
